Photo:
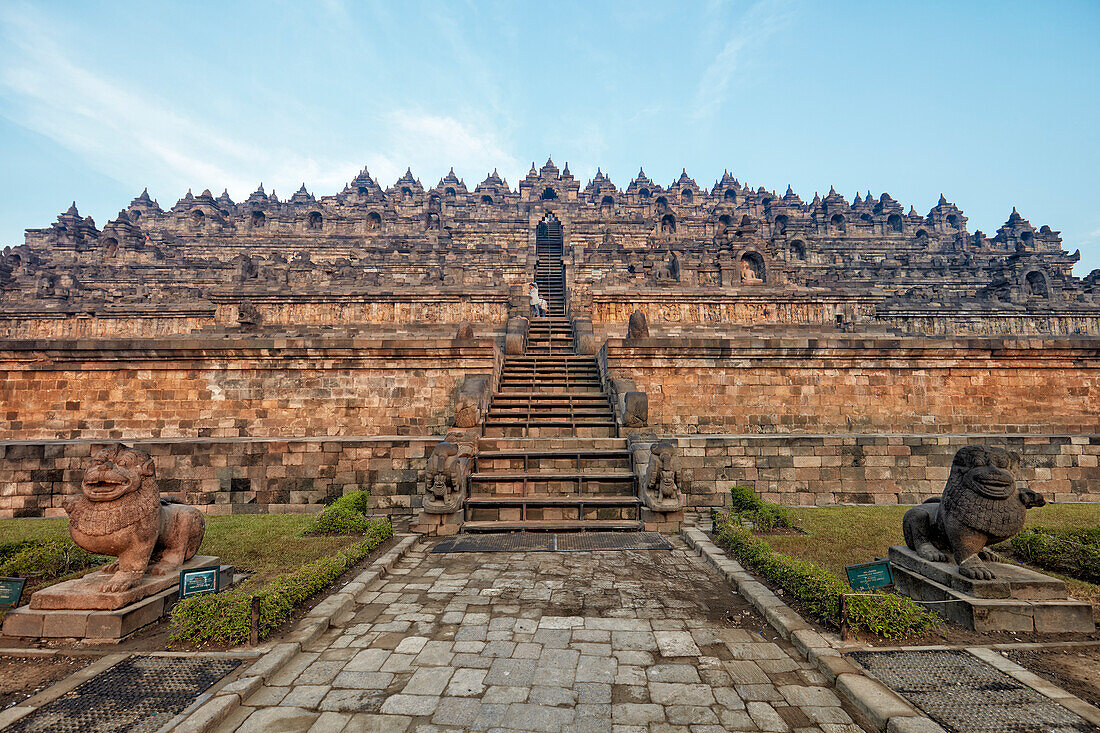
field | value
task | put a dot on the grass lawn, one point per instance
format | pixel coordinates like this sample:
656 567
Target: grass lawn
264 545
839 536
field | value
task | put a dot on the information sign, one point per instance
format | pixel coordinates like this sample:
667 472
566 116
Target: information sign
197 581
869 575
11 590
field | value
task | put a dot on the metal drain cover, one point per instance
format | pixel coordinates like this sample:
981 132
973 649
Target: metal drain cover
137 694
553 542
965 695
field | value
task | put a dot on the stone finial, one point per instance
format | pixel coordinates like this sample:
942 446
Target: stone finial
637 327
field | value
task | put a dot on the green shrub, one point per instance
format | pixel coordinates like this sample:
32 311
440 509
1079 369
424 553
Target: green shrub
357 501
338 520
744 499
1075 552
226 618
760 514
346 515
818 591
42 561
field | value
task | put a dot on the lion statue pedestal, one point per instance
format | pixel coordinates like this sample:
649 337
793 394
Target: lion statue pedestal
946 556
119 512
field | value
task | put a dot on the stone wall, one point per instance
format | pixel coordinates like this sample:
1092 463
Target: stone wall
856 385
229 476
808 470
232 385
417 308
240 476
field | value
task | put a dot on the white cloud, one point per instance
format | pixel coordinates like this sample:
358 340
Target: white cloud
759 23
128 134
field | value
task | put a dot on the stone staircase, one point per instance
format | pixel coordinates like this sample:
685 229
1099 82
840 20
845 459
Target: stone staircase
551 458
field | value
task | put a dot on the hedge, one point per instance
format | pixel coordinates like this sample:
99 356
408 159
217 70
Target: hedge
818 591
42 561
346 515
226 618
1074 552
762 515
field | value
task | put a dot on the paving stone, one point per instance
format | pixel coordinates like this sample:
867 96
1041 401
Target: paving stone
348 700
672 693
466 645
456 711
505 694
553 696
809 696
374 723
633 641
402 704
676 644
305 696
363 680
739 720
467 682
524 716
690 715
411 645
637 713
428 681
766 718
596 669
266 696
514 672
282 718
672 673
330 723
593 693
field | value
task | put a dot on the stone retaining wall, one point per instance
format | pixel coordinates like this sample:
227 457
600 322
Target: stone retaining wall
224 476
233 385
229 476
860 384
822 470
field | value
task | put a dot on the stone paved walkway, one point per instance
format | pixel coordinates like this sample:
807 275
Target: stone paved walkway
588 641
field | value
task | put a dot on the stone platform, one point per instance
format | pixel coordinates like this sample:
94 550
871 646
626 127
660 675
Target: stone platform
1018 599
56 621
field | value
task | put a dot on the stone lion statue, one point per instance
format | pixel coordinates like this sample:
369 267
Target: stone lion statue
663 478
447 470
980 506
120 512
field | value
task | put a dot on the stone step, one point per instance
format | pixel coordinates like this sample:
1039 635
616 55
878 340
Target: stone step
520 446
553 525
575 500
566 476
552 430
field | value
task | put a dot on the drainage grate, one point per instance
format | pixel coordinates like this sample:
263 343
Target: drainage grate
550 542
611 541
966 695
137 694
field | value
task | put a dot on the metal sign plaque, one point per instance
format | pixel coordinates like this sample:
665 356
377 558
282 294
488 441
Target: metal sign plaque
11 590
197 581
869 575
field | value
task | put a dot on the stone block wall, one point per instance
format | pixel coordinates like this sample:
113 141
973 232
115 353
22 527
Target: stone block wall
233 386
230 476
241 476
860 385
822 470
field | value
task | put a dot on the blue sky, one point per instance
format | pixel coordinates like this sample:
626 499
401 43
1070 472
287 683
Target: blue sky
994 104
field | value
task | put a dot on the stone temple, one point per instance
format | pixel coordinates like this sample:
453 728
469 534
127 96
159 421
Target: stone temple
275 352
